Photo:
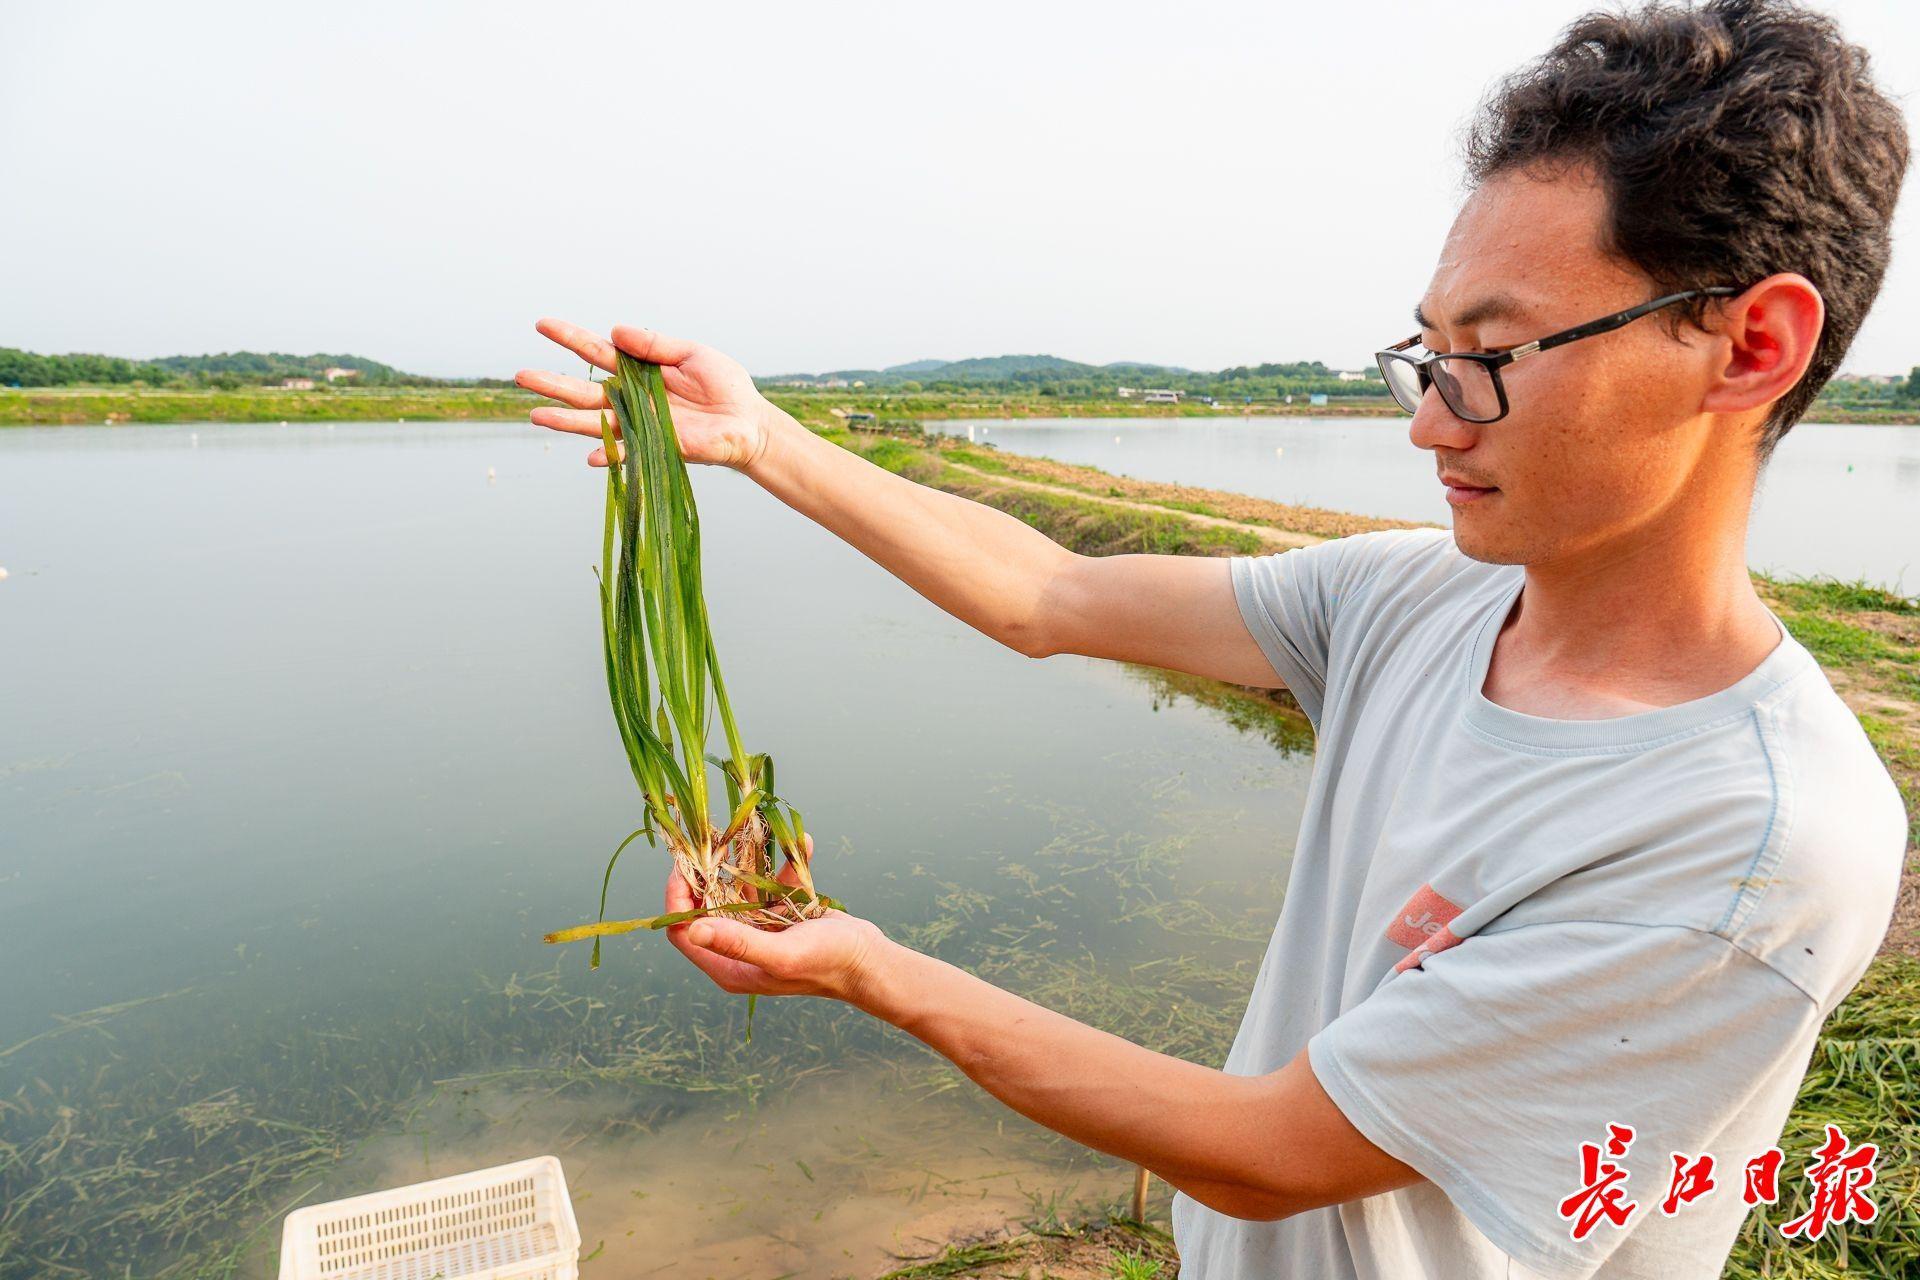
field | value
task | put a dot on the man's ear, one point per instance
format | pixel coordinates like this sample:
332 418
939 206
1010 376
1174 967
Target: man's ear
1771 331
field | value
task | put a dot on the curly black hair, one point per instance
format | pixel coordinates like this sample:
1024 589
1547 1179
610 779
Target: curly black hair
1735 139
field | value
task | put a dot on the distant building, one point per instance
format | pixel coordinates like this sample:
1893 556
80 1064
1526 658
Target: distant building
1353 375
831 382
336 373
296 384
1127 393
1317 398
1162 395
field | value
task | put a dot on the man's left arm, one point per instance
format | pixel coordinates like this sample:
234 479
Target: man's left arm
1262 1147
1259 1147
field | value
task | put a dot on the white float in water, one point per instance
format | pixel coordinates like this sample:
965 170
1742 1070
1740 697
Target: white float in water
3 575
1278 450
491 476
194 439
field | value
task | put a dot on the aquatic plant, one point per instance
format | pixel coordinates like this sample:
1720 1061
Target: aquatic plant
663 675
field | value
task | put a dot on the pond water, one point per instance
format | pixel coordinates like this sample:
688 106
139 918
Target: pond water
1835 500
303 744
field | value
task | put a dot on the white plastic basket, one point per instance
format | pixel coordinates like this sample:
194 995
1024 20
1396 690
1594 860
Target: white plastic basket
511 1222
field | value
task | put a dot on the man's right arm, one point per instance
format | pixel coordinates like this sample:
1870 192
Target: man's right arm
983 566
1008 580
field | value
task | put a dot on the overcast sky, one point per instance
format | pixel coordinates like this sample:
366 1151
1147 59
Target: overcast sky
807 186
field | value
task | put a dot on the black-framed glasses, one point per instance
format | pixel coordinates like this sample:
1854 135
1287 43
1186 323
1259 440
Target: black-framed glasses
1469 381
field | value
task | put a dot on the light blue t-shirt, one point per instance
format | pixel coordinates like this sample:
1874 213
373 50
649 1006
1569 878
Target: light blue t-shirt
1504 932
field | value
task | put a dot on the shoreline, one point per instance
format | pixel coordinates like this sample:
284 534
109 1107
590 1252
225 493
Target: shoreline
78 406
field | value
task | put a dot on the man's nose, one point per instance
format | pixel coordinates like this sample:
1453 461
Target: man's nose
1435 426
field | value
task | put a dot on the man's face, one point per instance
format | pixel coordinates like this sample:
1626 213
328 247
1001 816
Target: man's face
1604 434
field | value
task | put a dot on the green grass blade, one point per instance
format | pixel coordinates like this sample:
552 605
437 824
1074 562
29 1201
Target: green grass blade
662 664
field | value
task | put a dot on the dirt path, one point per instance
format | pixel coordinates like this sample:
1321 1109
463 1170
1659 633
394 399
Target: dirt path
1279 538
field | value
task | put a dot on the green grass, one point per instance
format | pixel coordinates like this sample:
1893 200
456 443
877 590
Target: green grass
957 1260
663 678
1135 1266
1838 643
49 407
1833 593
1822 614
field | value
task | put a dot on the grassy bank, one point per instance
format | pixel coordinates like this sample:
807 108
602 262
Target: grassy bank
1865 1073
60 406
79 405
56 406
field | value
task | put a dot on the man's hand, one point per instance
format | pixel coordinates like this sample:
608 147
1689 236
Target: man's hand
830 956
720 417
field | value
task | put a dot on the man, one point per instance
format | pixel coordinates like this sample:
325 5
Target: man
1590 839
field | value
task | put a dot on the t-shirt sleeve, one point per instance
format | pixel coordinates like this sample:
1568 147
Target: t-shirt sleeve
1487 1067
1290 602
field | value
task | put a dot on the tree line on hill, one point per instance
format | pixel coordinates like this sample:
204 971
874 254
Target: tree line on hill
1053 376
227 371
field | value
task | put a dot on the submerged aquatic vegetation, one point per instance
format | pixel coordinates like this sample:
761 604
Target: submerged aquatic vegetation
663 675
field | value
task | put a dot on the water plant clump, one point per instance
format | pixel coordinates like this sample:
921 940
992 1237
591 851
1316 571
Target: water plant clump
663 675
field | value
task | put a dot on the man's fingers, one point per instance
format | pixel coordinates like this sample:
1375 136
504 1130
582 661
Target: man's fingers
585 343
679 895
728 973
581 422
732 940
645 344
577 392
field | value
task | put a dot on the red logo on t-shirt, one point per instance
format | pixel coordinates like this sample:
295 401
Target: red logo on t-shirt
1422 926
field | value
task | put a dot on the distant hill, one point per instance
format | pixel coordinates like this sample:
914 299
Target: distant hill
275 364
1056 376
983 369
228 369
